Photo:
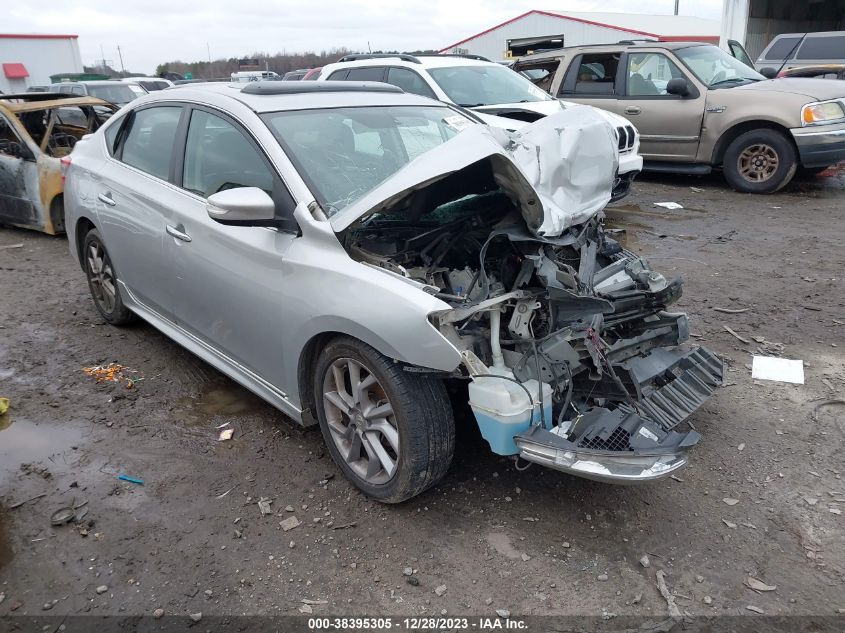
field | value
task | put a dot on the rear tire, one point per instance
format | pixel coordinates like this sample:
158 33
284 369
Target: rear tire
394 435
759 161
103 281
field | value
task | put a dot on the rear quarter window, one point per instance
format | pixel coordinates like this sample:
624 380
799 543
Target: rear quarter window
822 47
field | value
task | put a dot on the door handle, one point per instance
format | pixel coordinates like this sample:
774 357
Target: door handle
633 109
178 232
106 199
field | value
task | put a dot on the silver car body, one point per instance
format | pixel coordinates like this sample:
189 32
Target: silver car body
255 302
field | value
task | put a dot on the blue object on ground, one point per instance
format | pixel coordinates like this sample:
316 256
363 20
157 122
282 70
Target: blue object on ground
133 480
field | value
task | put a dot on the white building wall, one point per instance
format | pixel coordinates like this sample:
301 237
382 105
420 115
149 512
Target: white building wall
493 45
42 57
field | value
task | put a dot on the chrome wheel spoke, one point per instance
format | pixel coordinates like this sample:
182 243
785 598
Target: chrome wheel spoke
354 370
381 410
337 401
379 459
363 387
389 432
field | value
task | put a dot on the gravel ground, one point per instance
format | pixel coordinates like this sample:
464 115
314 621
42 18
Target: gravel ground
761 498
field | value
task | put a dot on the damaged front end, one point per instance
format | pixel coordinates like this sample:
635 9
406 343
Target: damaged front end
574 360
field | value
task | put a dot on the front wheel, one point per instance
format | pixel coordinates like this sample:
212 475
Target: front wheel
390 431
759 161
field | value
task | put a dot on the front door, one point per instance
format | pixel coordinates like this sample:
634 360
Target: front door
229 279
18 178
669 125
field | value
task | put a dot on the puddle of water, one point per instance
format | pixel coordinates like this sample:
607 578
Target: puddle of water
22 441
219 400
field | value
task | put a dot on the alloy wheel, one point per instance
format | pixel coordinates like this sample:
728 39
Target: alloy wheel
101 277
758 163
361 420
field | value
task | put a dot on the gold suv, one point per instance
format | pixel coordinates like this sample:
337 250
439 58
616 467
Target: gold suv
697 108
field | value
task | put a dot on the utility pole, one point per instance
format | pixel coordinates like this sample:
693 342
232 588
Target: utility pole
119 54
208 48
676 6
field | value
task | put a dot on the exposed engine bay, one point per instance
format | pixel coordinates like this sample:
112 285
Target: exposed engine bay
573 356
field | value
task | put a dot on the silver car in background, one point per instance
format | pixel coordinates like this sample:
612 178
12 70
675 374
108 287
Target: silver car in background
347 251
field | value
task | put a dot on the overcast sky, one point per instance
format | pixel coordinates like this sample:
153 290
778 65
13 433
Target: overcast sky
150 32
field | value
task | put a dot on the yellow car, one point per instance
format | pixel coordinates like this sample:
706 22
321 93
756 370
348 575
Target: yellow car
37 130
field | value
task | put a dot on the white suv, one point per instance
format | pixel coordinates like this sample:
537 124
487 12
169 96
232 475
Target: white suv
499 96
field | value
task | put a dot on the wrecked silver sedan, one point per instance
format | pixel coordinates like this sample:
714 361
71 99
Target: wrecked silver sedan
348 252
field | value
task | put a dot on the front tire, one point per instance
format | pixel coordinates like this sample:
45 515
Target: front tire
390 431
759 161
102 281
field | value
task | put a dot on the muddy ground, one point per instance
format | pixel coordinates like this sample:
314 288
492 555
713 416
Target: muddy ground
192 539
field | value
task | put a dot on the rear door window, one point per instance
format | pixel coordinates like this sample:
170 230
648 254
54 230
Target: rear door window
409 81
366 74
781 48
822 47
148 143
594 75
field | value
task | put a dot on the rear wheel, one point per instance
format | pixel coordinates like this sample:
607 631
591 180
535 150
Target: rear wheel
391 432
102 281
759 161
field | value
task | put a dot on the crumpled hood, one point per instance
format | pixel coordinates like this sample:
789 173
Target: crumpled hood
559 171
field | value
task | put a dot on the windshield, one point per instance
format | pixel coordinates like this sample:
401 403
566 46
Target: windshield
117 93
343 153
713 66
471 86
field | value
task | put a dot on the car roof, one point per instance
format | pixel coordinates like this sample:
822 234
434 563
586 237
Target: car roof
599 48
273 96
89 82
24 102
410 61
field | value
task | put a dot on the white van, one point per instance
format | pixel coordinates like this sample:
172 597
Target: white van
254 75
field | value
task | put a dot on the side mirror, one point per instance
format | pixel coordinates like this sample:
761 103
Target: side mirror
678 86
244 206
768 72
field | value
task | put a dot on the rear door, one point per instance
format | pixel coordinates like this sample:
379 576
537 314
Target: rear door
135 196
593 79
669 125
228 277
18 177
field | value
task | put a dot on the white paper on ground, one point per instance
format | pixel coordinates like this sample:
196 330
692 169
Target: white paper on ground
668 205
781 369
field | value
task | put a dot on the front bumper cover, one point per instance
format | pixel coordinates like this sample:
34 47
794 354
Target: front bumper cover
820 145
635 442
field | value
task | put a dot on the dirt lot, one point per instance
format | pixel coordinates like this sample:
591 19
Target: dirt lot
761 497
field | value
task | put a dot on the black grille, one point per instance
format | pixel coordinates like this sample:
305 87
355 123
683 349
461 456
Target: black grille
623 137
619 440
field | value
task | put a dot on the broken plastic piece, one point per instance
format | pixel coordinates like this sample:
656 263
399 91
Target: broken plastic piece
131 480
779 369
226 434
668 205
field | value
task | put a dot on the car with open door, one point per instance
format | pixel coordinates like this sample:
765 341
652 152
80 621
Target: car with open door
371 262
698 108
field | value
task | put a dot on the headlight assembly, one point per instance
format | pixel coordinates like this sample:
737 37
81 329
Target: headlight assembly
824 112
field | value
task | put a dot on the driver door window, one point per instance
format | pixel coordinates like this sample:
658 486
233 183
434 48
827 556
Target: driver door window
219 157
648 74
